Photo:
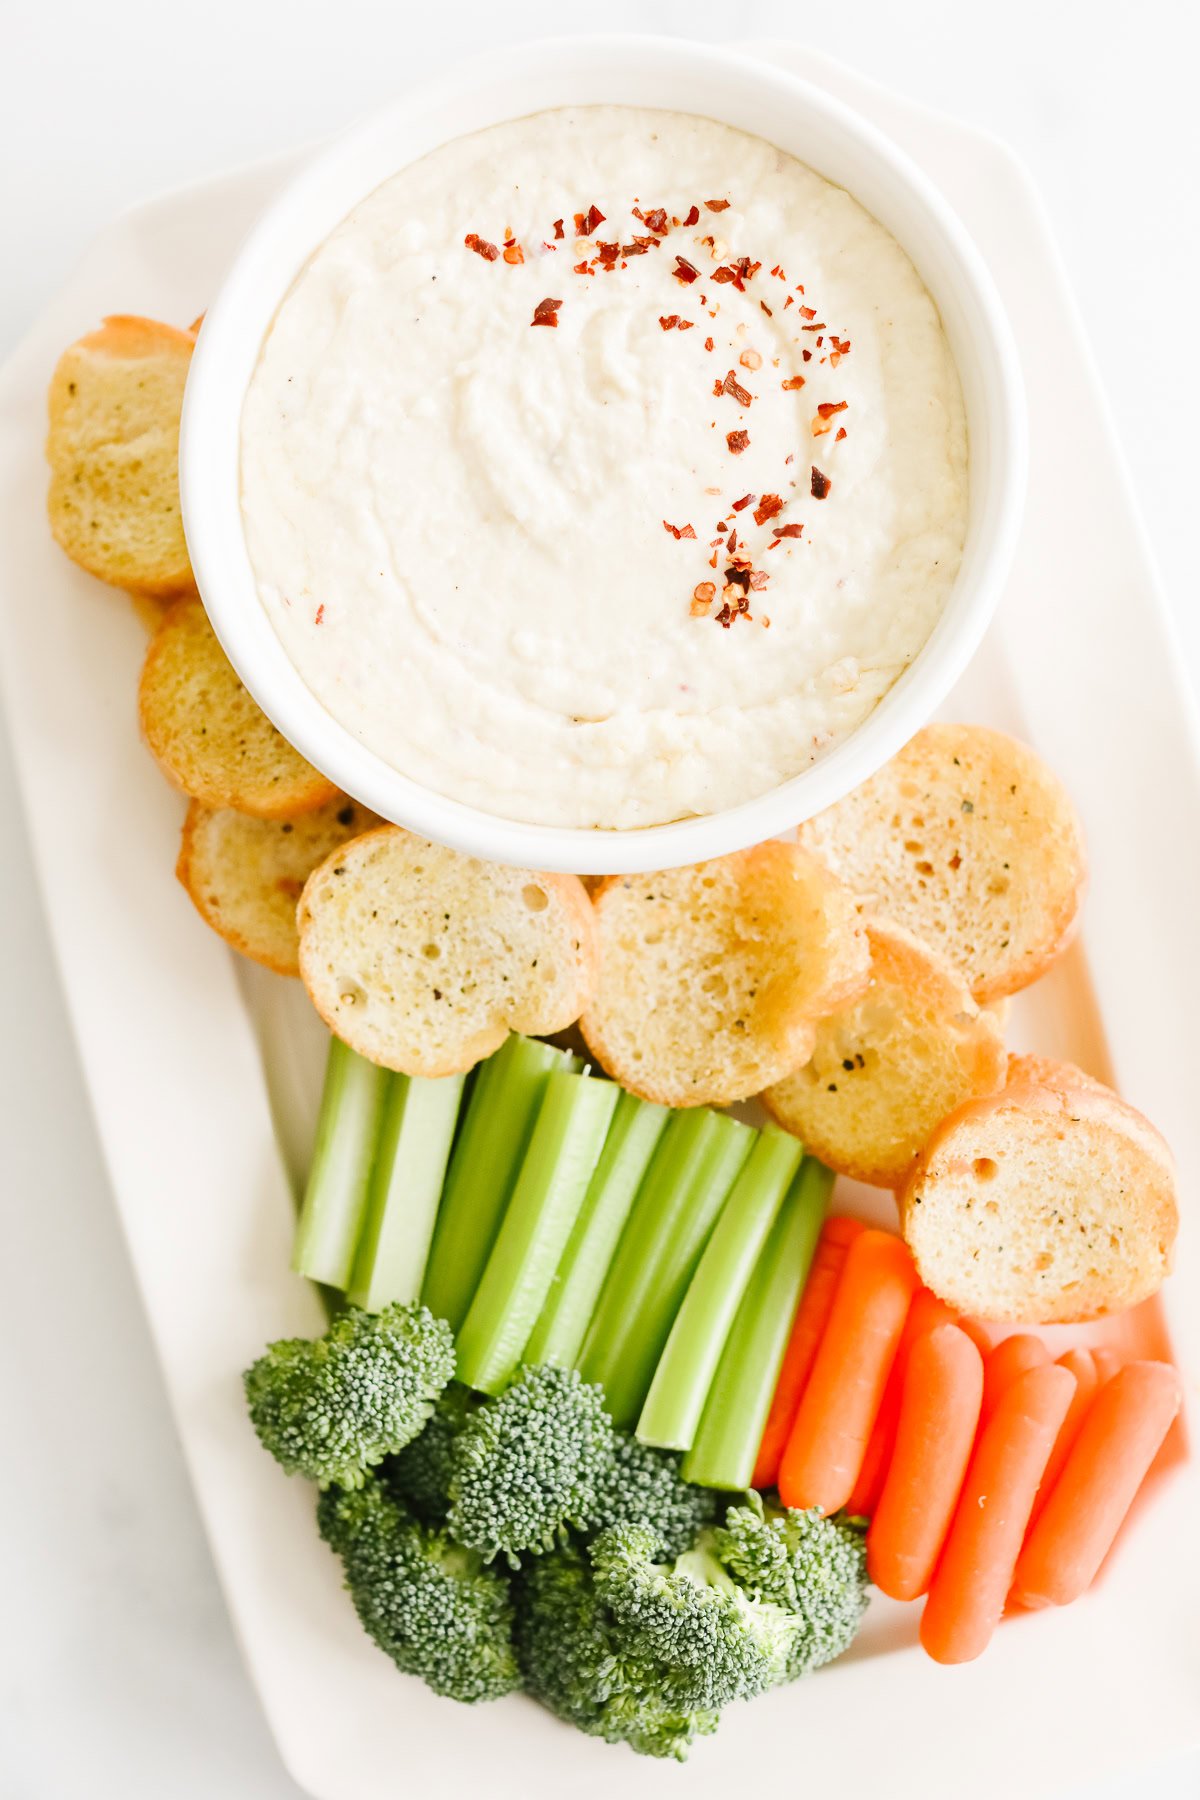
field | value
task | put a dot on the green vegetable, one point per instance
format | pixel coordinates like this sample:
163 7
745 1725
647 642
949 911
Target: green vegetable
496 1129
412 1151
419 1475
814 1567
712 1640
575 1662
635 1130
685 1371
429 1604
694 1166
643 1486
335 1199
567 1140
731 1428
527 1465
329 1408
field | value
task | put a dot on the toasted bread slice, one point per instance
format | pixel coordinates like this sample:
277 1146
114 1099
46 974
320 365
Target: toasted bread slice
113 450
1049 1202
968 839
888 1066
711 977
423 959
245 876
207 734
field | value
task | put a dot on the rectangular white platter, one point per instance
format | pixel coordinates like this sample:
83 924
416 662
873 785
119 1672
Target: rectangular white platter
184 1057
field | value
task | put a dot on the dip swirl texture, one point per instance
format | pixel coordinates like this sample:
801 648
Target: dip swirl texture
533 565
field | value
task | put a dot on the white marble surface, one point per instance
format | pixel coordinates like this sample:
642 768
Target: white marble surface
119 1675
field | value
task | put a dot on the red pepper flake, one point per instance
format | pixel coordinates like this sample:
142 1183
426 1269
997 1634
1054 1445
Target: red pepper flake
546 312
684 271
819 326
481 247
792 383
806 355
787 531
693 217
840 434
607 254
656 221
778 271
686 324
320 615
827 408
708 343
678 531
737 441
821 484
558 228
766 309
718 388
740 505
513 252
731 546
582 268
731 385
668 321
788 302
586 223
716 205
768 506
807 312
759 579
712 561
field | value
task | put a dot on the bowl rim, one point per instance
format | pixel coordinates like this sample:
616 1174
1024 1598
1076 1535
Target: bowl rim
210 497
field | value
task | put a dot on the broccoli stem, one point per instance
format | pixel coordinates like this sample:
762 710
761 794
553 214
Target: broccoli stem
496 1129
415 1136
571 1301
675 1403
693 1169
567 1140
731 1427
336 1195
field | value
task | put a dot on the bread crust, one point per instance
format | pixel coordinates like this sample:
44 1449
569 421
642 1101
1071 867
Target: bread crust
1103 1173
1012 848
520 1003
207 734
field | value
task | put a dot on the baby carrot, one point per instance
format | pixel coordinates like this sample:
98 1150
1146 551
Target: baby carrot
1083 1368
972 1579
812 1315
838 1407
1010 1358
925 1312
1117 1442
939 1410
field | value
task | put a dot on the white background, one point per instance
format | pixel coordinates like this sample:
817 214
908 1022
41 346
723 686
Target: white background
118 1671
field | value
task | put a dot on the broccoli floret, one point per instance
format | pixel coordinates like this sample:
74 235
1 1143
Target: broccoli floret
331 1407
420 1475
815 1568
527 1465
430 1605
643 1486
713 1640
574 1662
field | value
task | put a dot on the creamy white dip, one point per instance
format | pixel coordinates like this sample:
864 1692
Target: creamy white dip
473 534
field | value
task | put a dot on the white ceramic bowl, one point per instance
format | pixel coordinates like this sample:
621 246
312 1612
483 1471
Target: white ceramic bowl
631 71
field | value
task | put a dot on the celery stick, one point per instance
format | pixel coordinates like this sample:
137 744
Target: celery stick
406 1184
505 1097
550 1189
739 1400
694 1167
336 1196
632 1137
686 1367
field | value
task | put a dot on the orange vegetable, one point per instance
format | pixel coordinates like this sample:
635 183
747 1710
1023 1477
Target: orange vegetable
839 1405
925 1312
1118 1440
939 1410
1083 1368
812 1316
1008 1360
972 1580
